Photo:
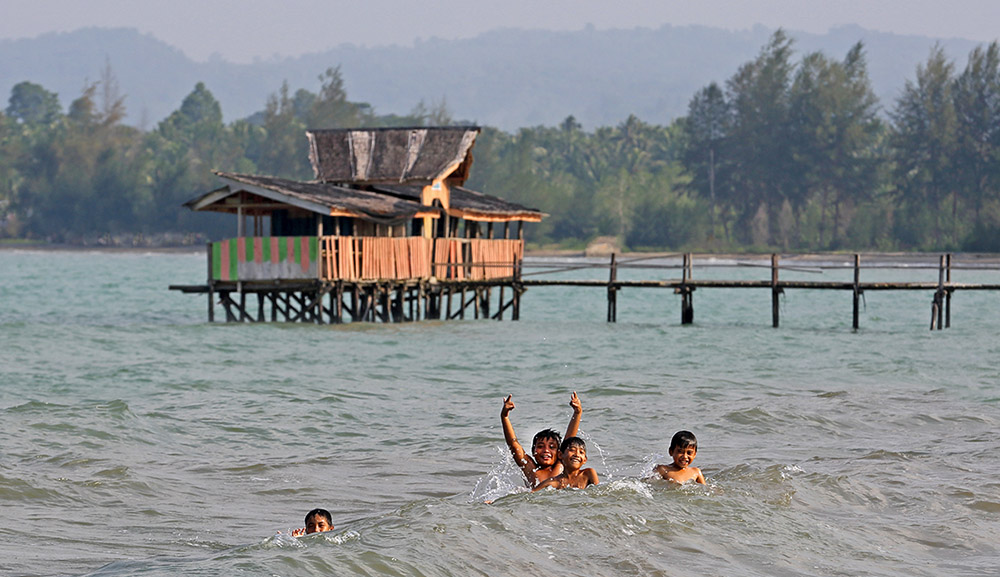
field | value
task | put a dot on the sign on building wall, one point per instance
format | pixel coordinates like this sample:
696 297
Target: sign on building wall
265 258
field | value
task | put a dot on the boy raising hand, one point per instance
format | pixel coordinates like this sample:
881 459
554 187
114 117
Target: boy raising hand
544 460
573 454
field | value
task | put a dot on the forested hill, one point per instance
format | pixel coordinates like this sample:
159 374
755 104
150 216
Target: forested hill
505 78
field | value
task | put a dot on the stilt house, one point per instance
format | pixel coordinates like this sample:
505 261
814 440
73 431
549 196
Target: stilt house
386 231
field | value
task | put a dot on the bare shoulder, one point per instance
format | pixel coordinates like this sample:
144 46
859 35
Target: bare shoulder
554 482
543 474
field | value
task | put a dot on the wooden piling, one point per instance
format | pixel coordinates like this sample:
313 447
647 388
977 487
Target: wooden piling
857 288
385 298
515 313
687 296
355 305
937 306
211 287
338 307
775 290
613 291
947 295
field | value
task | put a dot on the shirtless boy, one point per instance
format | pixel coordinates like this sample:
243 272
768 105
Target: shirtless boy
543 462
683 448
573 453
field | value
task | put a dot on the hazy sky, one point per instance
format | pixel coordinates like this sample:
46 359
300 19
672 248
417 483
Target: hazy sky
241 30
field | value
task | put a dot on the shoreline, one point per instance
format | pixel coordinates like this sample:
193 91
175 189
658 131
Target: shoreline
50 247
568 254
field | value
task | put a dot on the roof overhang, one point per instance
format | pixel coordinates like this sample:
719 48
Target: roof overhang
241 192
493 217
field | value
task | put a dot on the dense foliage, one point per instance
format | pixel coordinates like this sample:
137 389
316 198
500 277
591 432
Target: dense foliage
790 153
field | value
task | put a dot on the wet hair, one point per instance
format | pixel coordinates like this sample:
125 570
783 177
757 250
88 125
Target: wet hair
319 513
683 440
572 442
546 434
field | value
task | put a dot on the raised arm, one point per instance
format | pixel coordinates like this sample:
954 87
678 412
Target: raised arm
574 422
520 457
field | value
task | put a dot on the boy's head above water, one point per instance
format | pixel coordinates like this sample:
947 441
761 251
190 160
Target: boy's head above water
683 448
545 448
318 521
683 440
573 453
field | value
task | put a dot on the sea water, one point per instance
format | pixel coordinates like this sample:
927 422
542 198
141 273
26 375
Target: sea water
138 439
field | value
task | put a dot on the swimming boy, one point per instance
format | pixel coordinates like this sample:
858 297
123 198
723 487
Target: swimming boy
573 454
544 460
683 448
317 521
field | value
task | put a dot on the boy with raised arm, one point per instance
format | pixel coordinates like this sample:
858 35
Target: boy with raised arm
573 454
683 448
544 460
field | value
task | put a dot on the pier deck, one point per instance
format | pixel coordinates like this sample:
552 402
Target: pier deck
685 286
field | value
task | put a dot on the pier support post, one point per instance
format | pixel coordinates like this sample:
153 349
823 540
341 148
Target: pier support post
517 287
937 305
211 287
687 293
355 305
775 291
613 291
857 287
338 308
947 294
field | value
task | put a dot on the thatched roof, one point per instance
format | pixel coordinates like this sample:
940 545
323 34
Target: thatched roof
319 197
391 155
470 204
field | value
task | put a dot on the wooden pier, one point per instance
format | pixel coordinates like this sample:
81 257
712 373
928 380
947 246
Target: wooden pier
332 280
484 279
410 242
685 286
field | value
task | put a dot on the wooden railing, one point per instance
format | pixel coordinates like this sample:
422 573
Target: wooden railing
366 258
353 258
405 258
476 258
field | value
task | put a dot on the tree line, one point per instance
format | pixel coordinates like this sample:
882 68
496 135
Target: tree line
789 153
